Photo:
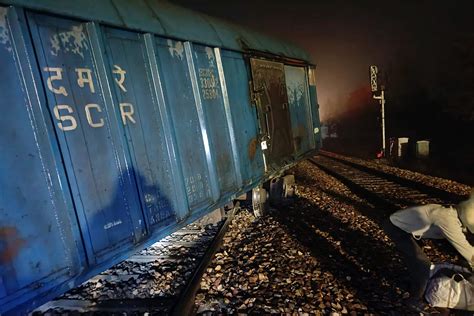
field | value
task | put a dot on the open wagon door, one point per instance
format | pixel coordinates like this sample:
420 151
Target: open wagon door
270 94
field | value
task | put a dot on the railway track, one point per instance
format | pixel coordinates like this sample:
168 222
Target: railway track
389 192
385 190
162 278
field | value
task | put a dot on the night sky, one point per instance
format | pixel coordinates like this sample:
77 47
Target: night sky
413 42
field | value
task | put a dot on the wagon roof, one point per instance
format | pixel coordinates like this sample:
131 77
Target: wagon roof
163 18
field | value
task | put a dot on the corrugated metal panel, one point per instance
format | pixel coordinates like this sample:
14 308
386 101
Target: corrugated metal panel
215 117
37 221
300 109
163 18
178 92
134 133
88 127
142 122
244 117
182 206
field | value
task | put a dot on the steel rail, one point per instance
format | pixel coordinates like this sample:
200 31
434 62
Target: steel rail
449 197
180 304
379 187
364 181
185 303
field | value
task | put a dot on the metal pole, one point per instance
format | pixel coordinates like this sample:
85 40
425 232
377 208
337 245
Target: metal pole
381 98
382 102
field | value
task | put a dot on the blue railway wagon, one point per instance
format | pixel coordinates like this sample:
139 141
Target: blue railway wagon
123 121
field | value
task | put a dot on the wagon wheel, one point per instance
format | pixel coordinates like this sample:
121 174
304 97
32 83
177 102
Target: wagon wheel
259 199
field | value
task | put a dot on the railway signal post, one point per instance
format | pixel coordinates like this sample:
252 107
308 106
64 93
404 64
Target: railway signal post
381 98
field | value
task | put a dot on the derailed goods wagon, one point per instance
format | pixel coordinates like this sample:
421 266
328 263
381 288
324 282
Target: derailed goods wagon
122 121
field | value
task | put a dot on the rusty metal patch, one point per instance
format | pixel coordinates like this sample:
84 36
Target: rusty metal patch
299 133
252 148
297 142
10 244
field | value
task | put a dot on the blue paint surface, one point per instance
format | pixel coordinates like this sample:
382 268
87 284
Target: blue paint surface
97 164
213 107
244 117
133 87
38 232
179 98
102 138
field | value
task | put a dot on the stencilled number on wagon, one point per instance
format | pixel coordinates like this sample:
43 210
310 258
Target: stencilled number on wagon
65 113
194 187
208 84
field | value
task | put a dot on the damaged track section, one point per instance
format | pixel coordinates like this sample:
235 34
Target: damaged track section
160 279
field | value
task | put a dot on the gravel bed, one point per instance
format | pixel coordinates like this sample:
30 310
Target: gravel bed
160 271
323 255
132 280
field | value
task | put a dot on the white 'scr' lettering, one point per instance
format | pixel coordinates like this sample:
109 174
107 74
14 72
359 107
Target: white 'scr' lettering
127 111
88 108
63 118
